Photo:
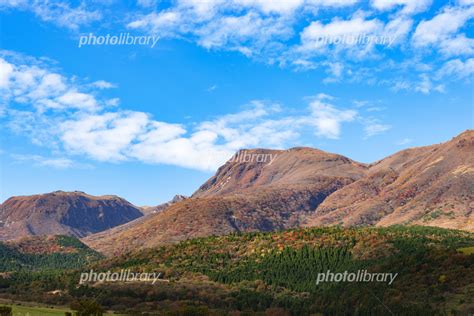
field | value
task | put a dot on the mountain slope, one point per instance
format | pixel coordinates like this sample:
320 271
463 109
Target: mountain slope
431 185
66 213
300 166
242 196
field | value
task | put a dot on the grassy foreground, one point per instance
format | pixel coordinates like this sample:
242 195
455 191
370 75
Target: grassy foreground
20 310
37 311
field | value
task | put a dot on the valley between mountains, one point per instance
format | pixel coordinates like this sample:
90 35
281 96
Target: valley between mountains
301 187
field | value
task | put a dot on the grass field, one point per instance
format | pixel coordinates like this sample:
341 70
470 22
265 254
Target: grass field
37 311
41 311
467 250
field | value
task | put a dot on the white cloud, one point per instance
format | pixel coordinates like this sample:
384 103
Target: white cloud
39 129
373 129
409 6
333 3
211 88
6 71
247 33
125 135
375 109
112 102
102 84
327 119
318 36
335 71
121 136
254 28
147 3
104 137
59 13
398 28
78 100
30 82
442 31
345 43
425 84
404 141
281 7
54 162
199 151
236 31
458 45
164 23
457 68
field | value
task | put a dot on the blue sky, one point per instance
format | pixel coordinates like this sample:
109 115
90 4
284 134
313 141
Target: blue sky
146 123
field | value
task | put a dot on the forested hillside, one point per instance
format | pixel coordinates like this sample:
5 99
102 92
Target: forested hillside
45 253
277 272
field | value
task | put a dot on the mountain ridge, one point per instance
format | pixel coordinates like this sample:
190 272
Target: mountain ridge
308 187
430 185
63 213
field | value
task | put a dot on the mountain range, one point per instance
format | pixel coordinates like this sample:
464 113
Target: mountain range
431 186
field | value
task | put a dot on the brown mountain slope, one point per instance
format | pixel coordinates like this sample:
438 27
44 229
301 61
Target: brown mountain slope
242 196
297 166
147 210
66 213
431 185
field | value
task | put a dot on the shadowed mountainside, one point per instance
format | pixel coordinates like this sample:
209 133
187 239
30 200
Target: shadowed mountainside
65 213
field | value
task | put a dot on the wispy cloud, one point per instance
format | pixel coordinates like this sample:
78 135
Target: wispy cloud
294 33
373 129
327 119
404 141
60 13
53 162
408 6
211 88
272 31
102 84
443 32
